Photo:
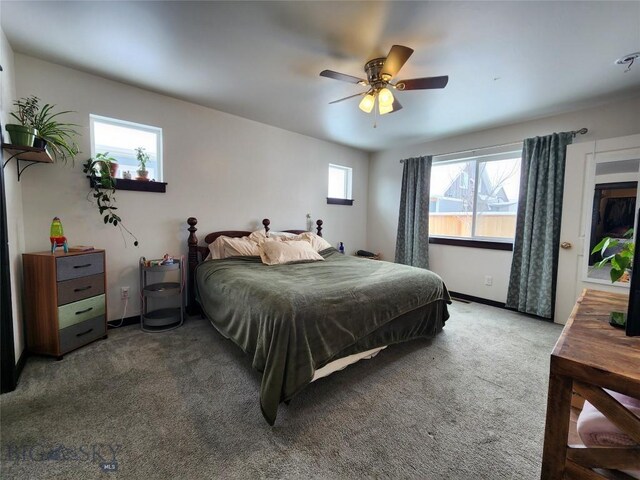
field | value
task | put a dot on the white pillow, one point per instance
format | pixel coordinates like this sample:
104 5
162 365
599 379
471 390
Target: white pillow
288 251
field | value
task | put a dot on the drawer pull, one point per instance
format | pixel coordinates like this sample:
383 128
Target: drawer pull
82 266
84 333
84 311
81 289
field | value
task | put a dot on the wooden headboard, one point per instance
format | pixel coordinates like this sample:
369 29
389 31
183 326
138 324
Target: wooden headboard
197 253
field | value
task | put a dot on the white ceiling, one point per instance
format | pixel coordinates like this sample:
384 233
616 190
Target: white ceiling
506 61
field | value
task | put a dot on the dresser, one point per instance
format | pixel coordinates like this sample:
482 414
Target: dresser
64 300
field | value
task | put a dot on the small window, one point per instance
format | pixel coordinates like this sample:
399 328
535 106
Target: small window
339 185
475 198
121 138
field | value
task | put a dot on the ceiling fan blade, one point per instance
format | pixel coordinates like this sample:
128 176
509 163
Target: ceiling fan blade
347 98
397 57
423 83
342 76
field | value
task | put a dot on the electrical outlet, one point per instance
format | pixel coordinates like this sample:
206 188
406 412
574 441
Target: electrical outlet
488 280
124 293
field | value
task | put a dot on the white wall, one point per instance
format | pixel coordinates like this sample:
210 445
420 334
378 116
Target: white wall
13 192
464 269
226 171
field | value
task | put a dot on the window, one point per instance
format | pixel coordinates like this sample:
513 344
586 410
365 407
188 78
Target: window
475 198
339 185
121 138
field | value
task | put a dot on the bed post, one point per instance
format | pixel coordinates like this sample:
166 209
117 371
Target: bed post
192 308
266 222
319 227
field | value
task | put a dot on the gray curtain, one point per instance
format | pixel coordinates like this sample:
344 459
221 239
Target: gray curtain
532 284
412 243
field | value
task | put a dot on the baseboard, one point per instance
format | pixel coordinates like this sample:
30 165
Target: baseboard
125 322
463 297
470 298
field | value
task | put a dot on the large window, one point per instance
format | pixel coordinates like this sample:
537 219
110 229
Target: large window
339 185
475 198
120 139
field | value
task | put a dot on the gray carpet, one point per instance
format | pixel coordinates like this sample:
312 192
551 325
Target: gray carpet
469 404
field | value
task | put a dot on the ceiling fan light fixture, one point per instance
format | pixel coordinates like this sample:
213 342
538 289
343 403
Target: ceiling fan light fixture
367 103
382 109
385 97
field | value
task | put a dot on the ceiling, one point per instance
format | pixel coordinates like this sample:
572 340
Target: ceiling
506 61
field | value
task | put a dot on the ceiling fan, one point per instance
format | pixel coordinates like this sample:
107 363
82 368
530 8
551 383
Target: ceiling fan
379 72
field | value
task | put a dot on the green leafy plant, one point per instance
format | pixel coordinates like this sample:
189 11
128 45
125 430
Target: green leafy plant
143 157
103 189
26 110
60 137
621 260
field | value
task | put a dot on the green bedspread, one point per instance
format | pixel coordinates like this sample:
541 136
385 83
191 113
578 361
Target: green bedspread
294 319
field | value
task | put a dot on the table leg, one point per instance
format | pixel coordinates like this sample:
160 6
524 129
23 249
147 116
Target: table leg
556 430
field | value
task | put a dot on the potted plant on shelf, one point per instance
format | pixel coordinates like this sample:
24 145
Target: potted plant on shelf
621 261
103 189
143 158
54 135
23 133
41 128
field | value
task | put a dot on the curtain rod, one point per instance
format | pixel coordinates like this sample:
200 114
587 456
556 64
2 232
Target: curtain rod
582 131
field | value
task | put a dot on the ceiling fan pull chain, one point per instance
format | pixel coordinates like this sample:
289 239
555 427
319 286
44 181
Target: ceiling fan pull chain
375 113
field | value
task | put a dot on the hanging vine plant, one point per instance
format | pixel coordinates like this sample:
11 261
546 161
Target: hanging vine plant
103 190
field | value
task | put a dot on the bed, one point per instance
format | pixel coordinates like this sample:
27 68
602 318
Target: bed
302 321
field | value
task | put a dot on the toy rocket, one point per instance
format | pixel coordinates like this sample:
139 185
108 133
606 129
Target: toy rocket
57 237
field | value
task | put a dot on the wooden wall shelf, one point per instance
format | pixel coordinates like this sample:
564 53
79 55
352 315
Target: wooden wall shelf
30 155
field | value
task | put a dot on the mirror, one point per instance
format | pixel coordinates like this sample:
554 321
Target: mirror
613 212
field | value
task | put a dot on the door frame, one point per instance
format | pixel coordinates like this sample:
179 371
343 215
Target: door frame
9 371
580 172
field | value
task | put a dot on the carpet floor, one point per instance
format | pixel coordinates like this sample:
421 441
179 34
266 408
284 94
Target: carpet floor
468 404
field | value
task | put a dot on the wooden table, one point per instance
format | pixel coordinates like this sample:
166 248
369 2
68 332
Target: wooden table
591 355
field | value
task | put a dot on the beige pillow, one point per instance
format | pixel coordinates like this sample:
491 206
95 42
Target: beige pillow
260 235
240 247
225 247
317 242
288 251
216 249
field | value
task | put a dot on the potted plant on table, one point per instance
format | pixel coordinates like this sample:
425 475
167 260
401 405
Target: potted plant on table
23 133
621 261
143 157
103 189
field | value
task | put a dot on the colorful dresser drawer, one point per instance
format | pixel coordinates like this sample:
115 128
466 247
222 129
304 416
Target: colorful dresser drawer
79 266
80 311
83 287
82 333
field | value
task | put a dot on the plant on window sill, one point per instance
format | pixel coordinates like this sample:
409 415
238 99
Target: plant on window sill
621 262
103 191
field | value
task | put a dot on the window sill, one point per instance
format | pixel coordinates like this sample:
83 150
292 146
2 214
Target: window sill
472 243
339 201
136 185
